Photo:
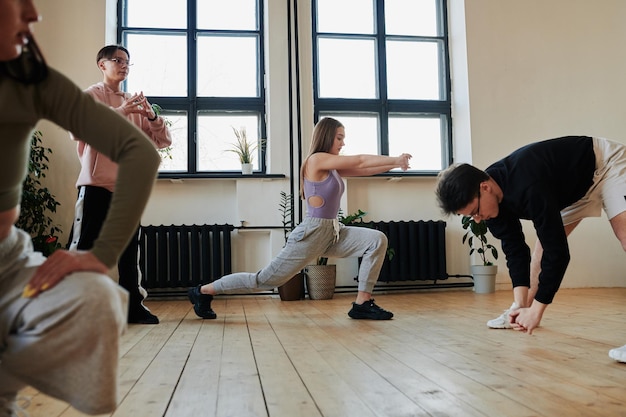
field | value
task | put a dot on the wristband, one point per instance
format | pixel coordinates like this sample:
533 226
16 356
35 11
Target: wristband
156 116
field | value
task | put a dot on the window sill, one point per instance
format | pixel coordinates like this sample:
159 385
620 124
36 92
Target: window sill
175 177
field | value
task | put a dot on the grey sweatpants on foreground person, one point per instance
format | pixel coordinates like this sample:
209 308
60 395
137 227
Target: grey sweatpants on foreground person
312 238
64 342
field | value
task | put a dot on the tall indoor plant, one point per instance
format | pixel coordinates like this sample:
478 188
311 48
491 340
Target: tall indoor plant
38 202
476 237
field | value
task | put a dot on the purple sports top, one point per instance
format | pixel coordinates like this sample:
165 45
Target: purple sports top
330 190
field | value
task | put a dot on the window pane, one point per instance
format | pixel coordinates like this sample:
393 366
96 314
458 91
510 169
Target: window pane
229 14
347 68
411 17
227 66
157 74
345 16
175 158
418 136
413 70
361 133
216 136
156 14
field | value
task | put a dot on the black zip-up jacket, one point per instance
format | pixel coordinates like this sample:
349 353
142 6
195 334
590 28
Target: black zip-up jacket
538 181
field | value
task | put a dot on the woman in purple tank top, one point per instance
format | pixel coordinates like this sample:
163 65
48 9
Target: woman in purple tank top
320 234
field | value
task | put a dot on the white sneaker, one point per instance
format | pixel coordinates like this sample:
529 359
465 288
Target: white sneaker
502 322
9 406
619 354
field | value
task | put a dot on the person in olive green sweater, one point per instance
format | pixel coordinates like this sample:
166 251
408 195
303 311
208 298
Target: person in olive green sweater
61 317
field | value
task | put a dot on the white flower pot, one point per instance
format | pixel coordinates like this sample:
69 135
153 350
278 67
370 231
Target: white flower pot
246 169
484 278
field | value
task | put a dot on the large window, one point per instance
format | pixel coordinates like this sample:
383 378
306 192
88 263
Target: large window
381 68
202 62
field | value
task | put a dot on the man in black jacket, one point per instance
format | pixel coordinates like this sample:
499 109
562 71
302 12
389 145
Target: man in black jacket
555 184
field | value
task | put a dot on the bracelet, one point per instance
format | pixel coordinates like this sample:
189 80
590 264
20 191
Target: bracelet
156 116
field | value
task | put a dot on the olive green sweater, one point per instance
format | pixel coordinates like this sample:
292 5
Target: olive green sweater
60 101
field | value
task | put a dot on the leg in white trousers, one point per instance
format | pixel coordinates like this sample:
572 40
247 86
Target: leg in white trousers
64 342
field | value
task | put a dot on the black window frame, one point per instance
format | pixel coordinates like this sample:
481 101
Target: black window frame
382 105
192 104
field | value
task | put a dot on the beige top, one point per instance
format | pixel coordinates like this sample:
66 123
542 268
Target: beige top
60 101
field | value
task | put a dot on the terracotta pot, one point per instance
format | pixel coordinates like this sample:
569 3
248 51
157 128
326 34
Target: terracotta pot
293 289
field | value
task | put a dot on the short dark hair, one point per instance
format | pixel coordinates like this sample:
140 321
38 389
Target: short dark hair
457 186
108 51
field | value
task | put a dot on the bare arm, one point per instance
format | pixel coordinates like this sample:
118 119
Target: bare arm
365 172
320 163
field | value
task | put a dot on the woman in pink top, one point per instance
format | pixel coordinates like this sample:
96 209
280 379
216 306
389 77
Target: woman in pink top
98 174
320 233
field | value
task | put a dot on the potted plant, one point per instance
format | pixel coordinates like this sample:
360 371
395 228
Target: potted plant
293 289
37 201
244 149
476 237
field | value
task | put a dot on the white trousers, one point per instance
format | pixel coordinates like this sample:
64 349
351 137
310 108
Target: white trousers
65 341
312 238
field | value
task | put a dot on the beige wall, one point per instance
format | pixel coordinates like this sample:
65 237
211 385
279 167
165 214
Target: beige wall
522 71
544 68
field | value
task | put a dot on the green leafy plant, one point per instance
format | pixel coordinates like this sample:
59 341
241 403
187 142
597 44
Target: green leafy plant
244 148
38 202
166 153
286 211
476 238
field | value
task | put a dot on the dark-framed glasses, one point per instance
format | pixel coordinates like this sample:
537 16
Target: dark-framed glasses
476 213
120 61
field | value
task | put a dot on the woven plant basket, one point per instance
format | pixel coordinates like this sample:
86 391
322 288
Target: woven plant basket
320 281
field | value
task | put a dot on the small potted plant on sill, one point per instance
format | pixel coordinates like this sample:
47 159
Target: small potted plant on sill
244 149
476 237
293 289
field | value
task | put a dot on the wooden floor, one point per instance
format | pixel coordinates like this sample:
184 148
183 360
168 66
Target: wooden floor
266 357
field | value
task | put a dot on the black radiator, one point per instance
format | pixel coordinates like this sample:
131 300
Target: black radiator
419 250
184 256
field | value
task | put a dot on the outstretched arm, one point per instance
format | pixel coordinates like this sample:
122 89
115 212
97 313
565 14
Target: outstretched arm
356 165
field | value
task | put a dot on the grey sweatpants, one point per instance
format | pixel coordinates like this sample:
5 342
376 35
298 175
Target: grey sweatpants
64 342
312 238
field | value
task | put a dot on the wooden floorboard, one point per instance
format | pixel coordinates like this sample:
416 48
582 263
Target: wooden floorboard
263 357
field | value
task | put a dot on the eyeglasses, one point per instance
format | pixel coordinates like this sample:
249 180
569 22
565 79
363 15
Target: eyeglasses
120 61
476 213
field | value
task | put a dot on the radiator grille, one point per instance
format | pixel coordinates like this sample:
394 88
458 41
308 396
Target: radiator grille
420 250
184 256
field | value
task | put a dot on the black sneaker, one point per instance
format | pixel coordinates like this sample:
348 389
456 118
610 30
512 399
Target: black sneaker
138 314
201 303
369 310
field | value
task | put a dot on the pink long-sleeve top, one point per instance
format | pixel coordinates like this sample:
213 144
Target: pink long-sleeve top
98 170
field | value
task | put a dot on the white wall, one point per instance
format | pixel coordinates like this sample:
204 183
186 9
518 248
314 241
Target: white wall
522 71
544 68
